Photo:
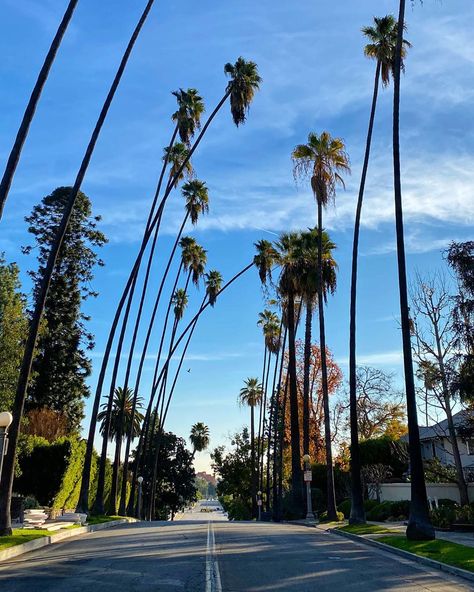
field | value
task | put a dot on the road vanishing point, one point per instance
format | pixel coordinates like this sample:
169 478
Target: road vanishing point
203 552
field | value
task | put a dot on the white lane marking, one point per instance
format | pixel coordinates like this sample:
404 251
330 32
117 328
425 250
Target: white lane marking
213 576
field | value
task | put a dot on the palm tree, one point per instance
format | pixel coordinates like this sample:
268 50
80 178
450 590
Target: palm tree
419 525
244 82
180 166
196 201
30 110
240 77
251 395
308 283
323 159
25 370
382 38
123 399
199 437
188 115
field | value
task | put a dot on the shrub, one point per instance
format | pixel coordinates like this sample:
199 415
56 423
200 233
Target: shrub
401 509
442 517
341 482
236 508
380 451
380 512
324 517
464 515
345 506
447 503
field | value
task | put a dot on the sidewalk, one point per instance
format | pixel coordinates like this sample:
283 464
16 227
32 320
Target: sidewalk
461 538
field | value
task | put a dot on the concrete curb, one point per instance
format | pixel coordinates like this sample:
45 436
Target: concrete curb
60 536
455 571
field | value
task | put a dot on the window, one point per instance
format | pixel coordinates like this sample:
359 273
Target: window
470 446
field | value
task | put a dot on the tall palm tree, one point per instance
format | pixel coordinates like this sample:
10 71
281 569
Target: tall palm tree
308 282
188 115
251 395
245 81
30 110
323 159
382 38
199 437
25 370
180 165
244 75
419 525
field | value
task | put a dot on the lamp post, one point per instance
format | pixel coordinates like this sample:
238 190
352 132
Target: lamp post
140 483
259 504
308 476
5 421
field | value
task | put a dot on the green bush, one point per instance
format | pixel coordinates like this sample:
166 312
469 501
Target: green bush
236 508
442 517
345 506
380 451
341 482
324 517
447 503
464 515
380 512
401 509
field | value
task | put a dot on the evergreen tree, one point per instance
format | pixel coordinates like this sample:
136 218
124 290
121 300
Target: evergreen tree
13 327
61 365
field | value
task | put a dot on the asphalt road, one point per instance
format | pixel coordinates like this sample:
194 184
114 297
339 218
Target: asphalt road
207 556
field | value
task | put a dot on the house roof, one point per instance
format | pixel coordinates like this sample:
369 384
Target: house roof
440 430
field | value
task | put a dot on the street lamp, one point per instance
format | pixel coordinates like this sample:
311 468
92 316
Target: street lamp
259 504
308 476
5 421
140 483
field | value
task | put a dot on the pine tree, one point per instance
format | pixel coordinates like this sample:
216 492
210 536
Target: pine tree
61 365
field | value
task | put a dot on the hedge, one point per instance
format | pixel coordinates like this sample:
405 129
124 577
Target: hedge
51 472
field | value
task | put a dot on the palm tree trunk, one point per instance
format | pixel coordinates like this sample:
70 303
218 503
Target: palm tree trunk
271 422
357 504
419 525
83 501
30 110
306 369
24 376
264 426
279 511
276 429
260 418
134 338
296 477
252 462
331 496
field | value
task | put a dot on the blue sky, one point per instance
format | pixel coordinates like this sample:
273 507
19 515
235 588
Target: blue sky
315 77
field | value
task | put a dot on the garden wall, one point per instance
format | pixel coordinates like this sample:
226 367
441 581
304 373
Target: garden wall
401 491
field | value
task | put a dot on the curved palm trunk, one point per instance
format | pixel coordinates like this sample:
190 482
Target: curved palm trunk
264 426
306 369
357 503
419 525
296 477
25 371
331 496
276 429
83 501
279 509
260 418
133 342
145 429
253 463
30 110
271 427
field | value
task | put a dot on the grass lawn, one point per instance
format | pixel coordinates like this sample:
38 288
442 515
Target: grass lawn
366 529
439 550
102 519
21 536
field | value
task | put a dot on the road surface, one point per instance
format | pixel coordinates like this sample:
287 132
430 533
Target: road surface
208 556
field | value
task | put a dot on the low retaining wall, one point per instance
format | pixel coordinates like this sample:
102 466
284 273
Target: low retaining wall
58 537
401 491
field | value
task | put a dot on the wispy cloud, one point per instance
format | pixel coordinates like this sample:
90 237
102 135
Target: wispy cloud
388 358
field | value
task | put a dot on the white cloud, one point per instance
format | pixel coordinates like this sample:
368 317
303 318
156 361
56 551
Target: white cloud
388 358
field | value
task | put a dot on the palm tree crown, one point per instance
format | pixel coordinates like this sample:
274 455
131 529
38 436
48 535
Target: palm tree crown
188 115
322 159
245 80
382 38
251 393
213 285
176 156
270 324
123 399
265 259
199 437
180 302
196 196
193 257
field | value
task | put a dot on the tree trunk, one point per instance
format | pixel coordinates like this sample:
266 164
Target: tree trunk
260 418
331 496
24 376
252 462
296 476
30 110
306 370
83 498
357 503
419 525
276 429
